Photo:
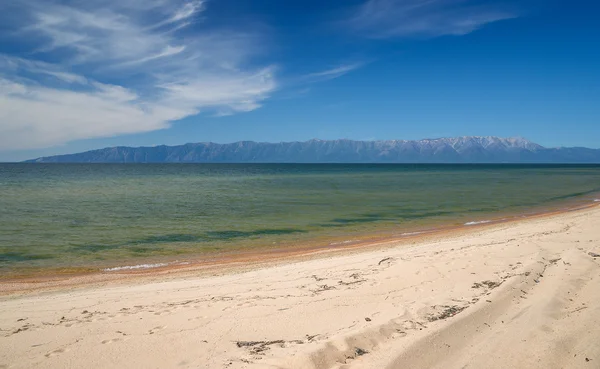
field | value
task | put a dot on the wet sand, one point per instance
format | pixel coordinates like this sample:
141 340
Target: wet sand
520 294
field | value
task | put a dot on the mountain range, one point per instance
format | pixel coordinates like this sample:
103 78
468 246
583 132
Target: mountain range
472 149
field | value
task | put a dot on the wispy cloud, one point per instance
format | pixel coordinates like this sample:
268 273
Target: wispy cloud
425 18
332 73
168 51
186 11
98 69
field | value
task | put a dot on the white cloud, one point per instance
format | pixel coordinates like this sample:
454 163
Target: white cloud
36 116
14 65
160 75
100 34
186 11
236 91
424 18
332 73
168 51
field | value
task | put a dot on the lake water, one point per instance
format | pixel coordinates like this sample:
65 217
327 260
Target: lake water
85 217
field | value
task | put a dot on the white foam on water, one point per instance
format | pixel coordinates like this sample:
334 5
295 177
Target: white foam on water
411 234
133 267
341 243
596 200
478 222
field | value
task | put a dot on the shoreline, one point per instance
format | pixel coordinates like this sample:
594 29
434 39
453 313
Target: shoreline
508 295
243 260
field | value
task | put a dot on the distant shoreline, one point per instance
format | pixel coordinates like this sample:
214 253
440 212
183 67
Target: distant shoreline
468 149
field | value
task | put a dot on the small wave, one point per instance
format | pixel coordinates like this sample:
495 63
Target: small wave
132 267
411 234
341 243
478 222
596 200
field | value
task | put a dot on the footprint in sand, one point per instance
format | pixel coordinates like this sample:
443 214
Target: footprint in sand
399 334
56 352
198 318
157 329
111 341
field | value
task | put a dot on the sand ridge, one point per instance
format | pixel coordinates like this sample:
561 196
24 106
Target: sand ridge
515 295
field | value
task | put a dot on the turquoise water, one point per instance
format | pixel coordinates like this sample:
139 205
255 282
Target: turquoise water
104 215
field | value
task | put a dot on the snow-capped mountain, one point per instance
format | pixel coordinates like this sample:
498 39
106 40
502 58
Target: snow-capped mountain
473 149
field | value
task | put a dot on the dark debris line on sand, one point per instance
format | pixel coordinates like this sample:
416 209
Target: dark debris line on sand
257 343
488 284
448 312
260 346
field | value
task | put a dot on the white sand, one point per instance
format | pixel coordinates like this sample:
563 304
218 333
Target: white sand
372 309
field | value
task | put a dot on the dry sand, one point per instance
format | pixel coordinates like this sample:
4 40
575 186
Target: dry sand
514 295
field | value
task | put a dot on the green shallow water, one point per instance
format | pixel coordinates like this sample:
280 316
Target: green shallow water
107 215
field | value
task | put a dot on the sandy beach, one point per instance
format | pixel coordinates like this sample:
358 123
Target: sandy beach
513 295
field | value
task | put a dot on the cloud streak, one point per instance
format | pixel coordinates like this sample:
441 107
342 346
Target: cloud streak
64 88
424 18
332 73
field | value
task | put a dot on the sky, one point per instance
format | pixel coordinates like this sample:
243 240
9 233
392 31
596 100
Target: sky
79 75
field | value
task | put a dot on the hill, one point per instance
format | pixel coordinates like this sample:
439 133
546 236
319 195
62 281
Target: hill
443 150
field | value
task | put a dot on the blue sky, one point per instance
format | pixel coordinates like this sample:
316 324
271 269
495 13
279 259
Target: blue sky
78 75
